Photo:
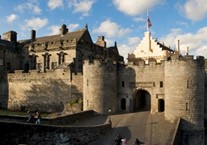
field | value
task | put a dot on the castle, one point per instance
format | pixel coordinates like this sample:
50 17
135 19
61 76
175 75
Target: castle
48 72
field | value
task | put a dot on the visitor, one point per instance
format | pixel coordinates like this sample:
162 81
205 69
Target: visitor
30 117
118 139
38 117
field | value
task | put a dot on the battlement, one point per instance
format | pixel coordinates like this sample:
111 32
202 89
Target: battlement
188 59
100 62
18 75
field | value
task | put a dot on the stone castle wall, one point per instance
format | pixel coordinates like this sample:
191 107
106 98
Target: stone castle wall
47 91
142 77
100 86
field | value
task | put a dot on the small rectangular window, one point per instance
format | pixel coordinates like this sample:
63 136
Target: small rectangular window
161 84
122 84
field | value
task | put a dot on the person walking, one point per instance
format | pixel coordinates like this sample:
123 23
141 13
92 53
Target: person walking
118 139
124 141
37 116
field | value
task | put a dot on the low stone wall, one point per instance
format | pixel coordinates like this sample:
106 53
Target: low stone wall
56 120
68 119
31 134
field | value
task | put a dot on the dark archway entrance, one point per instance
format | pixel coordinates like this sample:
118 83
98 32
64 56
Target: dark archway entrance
142 101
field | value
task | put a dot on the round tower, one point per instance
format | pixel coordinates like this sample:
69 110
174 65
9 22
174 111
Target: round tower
184 96
100 86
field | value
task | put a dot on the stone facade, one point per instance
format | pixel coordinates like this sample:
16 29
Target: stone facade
47 72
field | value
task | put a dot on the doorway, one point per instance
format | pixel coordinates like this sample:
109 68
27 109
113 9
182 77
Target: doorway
142 101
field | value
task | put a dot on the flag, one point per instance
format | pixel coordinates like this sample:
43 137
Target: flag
149 24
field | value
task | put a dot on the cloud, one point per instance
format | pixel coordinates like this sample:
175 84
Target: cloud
135 7
138 19
81 6
54 29
195 41
129 46
111 29
11 18
194 10
35 23
72 27
29 6
53 4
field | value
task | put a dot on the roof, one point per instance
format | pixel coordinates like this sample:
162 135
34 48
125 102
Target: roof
164 47
68 36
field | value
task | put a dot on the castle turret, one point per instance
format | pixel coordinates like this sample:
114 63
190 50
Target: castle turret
184 96
100 86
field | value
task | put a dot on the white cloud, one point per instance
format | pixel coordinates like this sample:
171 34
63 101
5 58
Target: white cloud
135 7
195 41
53 4
194 10
29 6
11 18
72 27
111 29
81 6
129 46
35 23
138 19
54 30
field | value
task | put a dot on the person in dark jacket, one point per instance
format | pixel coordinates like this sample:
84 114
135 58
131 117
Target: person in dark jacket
118 139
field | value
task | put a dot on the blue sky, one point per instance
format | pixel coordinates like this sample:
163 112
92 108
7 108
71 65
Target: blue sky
123 21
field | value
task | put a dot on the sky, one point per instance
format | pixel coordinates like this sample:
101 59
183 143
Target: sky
120 21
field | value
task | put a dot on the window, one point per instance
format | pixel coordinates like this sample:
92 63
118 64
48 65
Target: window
122 84
8 66
61 57
161 84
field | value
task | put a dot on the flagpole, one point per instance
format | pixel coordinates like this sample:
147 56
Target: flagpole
147 21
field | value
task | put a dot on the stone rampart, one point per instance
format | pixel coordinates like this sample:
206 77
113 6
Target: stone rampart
47 91
31 134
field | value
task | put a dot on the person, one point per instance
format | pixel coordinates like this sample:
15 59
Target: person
118 139
137 142
124 141
37 116
30 117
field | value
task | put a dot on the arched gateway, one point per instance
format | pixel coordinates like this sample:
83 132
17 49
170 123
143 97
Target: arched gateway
142 100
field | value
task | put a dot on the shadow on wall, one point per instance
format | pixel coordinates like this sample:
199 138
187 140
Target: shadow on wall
51 95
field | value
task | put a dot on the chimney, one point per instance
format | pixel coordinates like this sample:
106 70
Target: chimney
63 29
100 41
10 36
178 46
33 34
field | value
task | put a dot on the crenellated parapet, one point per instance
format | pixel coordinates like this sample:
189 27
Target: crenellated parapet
34 75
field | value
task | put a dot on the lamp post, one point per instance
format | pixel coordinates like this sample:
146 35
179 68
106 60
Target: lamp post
109 115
